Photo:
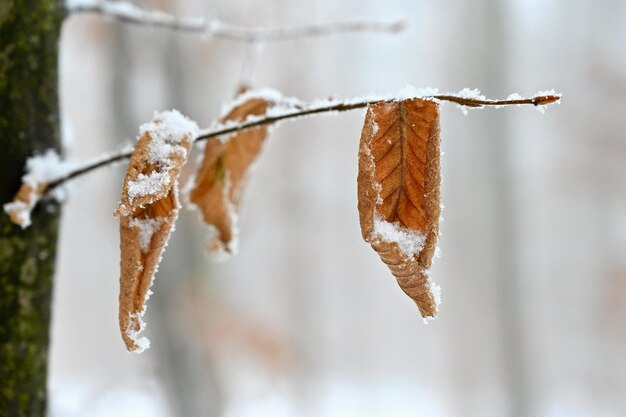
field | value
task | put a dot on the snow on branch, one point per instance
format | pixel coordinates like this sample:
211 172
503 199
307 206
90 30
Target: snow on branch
129 13
288 109
293 109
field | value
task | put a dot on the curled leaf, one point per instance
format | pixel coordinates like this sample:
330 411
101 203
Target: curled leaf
41 170
399 192
143 237
160 153
217 188
148 209
23 203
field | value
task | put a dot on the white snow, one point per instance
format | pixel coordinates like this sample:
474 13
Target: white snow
268 94
147 184
471 93
40 170
169 131
279 106
122 8
169 127
514 96
550 92
161 150
22 210
147 227
374 128
410 242
128 10
435 290
292 108
61 193
409 91
142 342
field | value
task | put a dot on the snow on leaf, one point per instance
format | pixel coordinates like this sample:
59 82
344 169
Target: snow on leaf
23 203
143 237
147 210
399 192
218 186
410 242
157 159
40 171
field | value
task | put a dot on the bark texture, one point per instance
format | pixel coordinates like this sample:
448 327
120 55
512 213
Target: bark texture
29 124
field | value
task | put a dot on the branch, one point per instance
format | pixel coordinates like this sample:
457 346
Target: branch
331 106
129 13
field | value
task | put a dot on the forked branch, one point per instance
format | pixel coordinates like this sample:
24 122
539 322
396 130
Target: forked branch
129 13
292 113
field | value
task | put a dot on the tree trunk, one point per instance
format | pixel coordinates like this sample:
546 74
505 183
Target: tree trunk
29 124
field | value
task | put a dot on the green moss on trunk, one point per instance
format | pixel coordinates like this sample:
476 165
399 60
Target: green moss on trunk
29 124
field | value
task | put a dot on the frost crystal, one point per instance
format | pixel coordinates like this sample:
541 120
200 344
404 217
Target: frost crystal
21 211
409 91
167 129
147 227
142 342
280 103
435 290
170 135
471 93
409 242
40 171
45 168
374 128
146 184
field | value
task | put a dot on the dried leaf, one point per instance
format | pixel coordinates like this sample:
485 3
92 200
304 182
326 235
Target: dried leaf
160 153
40 171
148 210
143 237
23 203
219 184
399 192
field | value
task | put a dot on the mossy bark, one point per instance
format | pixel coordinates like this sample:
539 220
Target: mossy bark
29 124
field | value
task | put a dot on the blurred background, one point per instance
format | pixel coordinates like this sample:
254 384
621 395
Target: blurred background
306 320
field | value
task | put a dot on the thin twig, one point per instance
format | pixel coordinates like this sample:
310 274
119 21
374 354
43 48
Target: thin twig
129 13
301 112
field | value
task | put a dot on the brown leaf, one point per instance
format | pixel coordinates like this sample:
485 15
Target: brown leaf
24 201
160 153
147 210
220 181
399 192
143 237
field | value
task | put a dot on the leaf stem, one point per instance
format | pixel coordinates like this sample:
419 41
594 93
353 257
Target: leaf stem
222 130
